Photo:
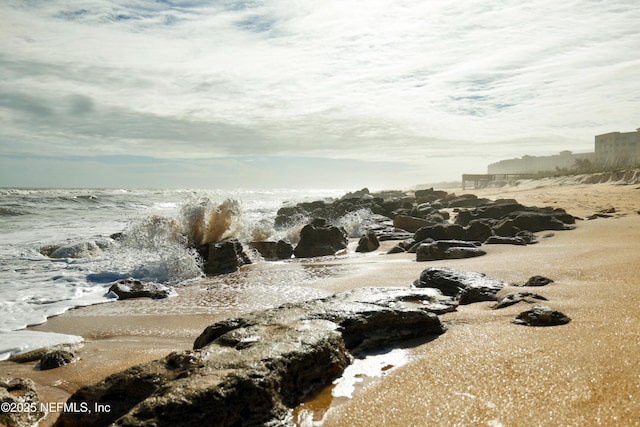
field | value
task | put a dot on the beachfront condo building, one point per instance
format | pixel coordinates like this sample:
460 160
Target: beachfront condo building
618 148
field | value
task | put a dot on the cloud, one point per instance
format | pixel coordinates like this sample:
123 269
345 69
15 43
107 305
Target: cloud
463 82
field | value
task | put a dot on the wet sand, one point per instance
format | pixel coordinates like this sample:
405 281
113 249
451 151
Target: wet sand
482 371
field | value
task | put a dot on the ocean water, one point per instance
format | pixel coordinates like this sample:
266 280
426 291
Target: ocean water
56 252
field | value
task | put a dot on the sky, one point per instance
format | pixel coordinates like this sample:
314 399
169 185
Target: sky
305 94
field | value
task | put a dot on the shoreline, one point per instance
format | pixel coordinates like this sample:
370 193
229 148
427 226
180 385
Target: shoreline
116 339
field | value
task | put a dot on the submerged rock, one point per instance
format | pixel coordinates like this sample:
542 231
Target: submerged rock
541 315
252 370
320 239
223 257
467 286
368 242
133 288
273 250
55 359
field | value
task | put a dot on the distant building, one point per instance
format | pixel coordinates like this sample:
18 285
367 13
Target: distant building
618 149
614 149
538 164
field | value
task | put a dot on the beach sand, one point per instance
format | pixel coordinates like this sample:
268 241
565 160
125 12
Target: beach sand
482 371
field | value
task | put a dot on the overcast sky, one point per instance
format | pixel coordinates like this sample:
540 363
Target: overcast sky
305 93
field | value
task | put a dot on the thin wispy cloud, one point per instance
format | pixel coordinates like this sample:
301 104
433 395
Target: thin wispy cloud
381 80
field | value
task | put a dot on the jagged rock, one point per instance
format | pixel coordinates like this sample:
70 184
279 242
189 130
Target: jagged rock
467 201
393 234
273 250
133 288
410 223
499 240
477 231
541 316
250 371
33 355
223 257
368 243
537 281
447 249
516 297
474 231
440 232
56 358
515 215
466 286
539 221
320 239
528 237
429 194
19 393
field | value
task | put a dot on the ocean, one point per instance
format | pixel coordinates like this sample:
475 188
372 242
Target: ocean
56 252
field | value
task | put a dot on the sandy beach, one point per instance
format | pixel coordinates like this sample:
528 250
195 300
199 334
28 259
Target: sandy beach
482 371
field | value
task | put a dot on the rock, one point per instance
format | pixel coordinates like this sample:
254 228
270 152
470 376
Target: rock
528 237
538 281
410 223
76 250
477 231
441 232
539 221
393 234
599 215
273 250
19 393
251 371
33 355
133 288
541 316
466 286
514 215
467 200
56 358
474 231
505 228
499 240
516 297
368 243
447 249
430 194
223 257
320 239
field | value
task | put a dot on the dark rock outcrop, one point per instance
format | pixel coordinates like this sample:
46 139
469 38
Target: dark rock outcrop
499 240
319 239
19 393
133 288
513 217
541 316
537 281
55 359
447 249
368 242
516 297
411 223
474 231
250 371
223 257
273 250
466 286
